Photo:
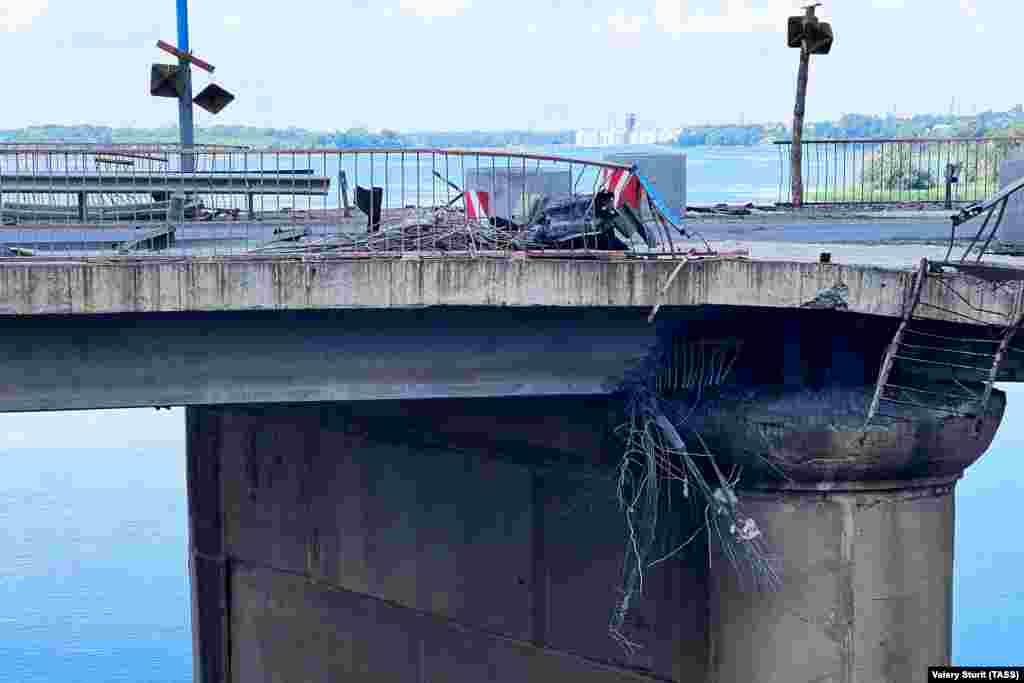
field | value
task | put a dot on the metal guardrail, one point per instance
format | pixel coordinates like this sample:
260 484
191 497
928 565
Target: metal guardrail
121 147
940 171
995 206
73 200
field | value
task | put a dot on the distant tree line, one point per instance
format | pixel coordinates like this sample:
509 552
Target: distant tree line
989 124
728 135
285 137
984 124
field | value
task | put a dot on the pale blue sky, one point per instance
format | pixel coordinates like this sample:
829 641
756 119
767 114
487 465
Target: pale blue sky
487 64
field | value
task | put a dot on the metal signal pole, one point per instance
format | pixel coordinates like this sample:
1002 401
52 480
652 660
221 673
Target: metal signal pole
812 38
170 81
796 160
185 123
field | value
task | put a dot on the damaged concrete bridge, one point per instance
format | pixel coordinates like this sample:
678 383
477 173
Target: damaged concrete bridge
500 427
416 469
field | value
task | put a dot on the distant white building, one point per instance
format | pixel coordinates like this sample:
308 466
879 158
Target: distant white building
608 137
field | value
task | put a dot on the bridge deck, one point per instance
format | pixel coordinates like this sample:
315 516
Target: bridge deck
782 276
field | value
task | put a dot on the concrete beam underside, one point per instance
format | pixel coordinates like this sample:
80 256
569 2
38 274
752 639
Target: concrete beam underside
142 360
60 363
152 285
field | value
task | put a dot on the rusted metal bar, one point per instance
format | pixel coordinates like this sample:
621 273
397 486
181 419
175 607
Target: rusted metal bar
924 406
1008 335
890 354
962 397
994 230
956 313
185 56
949 288
941 350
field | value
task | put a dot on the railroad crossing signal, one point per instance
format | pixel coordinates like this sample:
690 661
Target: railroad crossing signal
175 80
164 81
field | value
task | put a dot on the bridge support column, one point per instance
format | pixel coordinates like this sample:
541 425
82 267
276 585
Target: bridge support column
430 540
860 526
480 539
207 561
866 596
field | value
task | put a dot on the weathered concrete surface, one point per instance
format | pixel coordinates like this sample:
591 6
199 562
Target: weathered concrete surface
360 542
89 362
141 360
867 588
819 436
208 570
361 552
290 629
92 286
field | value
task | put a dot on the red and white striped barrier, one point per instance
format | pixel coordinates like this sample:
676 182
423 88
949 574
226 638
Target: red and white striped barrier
478 205
625 186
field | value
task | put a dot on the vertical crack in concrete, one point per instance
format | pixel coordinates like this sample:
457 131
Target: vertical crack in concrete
847 574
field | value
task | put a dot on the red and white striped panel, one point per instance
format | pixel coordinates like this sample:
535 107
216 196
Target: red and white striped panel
625 186
478 205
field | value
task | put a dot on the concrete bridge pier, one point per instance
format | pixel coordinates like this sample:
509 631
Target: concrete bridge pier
480 540
867 588
421 540
861 528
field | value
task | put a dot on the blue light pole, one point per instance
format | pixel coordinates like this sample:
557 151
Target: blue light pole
183 25
185 123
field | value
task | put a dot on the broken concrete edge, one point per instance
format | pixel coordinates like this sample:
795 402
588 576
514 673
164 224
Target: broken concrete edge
226 283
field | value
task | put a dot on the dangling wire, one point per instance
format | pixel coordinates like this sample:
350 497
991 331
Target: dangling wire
656 458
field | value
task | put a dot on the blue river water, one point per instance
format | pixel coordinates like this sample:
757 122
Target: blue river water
93 572
93 579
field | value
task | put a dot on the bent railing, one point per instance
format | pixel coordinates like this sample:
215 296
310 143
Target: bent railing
1007 202
86 200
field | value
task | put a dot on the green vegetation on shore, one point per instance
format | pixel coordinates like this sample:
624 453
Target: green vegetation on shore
985 124
853 126
910 172
871 194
